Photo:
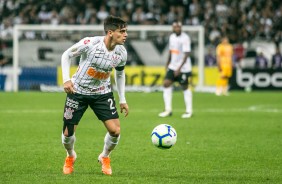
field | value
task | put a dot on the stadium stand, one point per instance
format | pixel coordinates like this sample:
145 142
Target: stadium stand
249 19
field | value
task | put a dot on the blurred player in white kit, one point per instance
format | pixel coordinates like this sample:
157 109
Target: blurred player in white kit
179 70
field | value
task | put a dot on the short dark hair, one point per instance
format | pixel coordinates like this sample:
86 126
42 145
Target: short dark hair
113 23
177 22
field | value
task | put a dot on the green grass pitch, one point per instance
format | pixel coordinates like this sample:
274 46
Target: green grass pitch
235 139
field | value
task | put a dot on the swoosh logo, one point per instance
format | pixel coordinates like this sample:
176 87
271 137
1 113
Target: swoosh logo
114 112
103 58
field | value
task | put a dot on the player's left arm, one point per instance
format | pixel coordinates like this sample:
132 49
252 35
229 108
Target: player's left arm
186 55
120 84
186 48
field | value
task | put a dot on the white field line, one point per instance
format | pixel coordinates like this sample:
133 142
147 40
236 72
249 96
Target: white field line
255 109
12 111
215 110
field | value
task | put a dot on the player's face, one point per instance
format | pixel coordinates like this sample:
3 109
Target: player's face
120 36
225 40
176 28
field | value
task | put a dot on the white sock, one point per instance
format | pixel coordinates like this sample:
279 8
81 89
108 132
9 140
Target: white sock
167 95
110 143
225 90
188 100
68 143
218 90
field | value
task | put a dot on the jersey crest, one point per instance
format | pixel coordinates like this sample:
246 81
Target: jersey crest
68 113
86 41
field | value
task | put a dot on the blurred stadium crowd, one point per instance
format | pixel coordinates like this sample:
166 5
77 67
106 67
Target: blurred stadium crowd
243 21
249 19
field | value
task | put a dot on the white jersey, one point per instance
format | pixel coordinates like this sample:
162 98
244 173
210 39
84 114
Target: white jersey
95 66
177 46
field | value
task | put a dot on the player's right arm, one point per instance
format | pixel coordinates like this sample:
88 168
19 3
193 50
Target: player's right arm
168 60
169 54
74 51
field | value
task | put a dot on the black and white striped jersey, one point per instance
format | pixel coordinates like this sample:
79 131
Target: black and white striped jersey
95 65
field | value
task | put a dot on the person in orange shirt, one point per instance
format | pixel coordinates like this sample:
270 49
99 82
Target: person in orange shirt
224 52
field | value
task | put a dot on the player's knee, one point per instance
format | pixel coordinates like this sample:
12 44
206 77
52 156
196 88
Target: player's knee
167 83
115 132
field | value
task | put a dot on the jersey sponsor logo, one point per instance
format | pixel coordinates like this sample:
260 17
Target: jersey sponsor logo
68 113
86 41
100 75
174 51
72 103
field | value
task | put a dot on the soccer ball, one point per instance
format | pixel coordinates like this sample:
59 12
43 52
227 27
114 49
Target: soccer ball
164 136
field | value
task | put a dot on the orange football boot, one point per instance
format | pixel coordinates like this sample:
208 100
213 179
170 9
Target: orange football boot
68 167
106 166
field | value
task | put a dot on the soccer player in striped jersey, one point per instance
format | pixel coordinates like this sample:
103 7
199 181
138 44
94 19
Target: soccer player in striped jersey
91 86
178 70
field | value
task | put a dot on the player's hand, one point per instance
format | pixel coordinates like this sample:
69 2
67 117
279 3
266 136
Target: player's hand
68 87
124 108
176 73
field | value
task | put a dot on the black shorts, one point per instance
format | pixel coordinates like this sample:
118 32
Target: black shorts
103 106
183 78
